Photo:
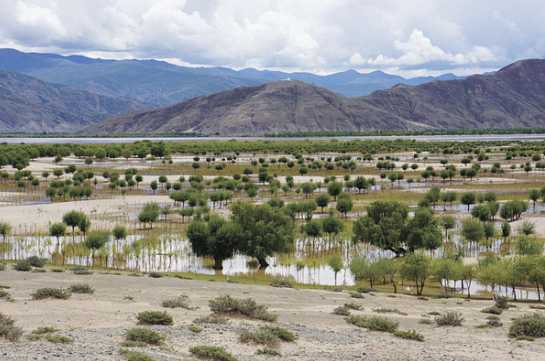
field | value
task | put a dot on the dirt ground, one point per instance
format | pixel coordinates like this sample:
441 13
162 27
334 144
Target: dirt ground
98 322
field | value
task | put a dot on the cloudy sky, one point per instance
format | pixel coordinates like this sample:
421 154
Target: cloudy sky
409 37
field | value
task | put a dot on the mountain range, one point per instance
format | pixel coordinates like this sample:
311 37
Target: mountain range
514 96
158 83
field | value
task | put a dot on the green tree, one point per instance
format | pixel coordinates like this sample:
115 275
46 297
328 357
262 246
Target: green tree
334 189
73 219
149 214
322 201
416 267
335 262
95 241
344 204
468 199
534 195
263 230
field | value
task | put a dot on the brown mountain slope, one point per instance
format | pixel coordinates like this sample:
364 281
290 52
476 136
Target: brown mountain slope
274 107
31 105
511 97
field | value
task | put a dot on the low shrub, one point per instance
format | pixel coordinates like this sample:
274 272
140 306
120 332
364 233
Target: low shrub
44 330
195 329
409 335
212 319
178 302
532 325
22 266
425 321
212 353
37 262
281 283
389 310
494 310
356 295
227 305
353 306
82 271
341 311
58 339
81 288
449 319
2 267
135 356
56 293
57 270
365 290
502 302
268 352
155 275
144 336
374 323
267 336
8 330
154 318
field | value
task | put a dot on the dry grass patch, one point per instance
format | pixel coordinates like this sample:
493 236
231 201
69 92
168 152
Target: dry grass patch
227 305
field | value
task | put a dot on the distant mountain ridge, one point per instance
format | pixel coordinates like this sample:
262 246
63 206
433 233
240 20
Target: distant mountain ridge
158 83
512 97
33 106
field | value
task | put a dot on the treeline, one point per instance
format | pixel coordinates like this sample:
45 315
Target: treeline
372 133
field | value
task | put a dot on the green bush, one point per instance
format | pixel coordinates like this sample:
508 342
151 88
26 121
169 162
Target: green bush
267 336
494 310
154 318
178 302
144 336
195 329
353 306
409 335
8 330
449 319
57 293
212 353
532 325
36 261
155 275
58 339
374 323
135 356
81 288
227 305
341 311
502 302
22 266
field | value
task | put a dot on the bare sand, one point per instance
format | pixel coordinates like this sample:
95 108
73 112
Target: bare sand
98 322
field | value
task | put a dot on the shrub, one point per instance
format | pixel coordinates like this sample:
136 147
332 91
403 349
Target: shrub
144 336
374 323
36 261
389 310
178 302
155 275
58 339
22 266
502 302
494 310
81 288
212 319
353 306
356 295
57 270
212 353
44 330
195 329
8 330
57 293
425 321
341 311
281 283
410 335
82 271
268 352
532 325
2 267
267 336
244 307
449 319
135 356
154 318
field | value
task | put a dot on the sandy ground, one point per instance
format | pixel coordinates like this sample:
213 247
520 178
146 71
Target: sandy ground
42 215
97 322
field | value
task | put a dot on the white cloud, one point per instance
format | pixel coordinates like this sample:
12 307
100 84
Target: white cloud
328 35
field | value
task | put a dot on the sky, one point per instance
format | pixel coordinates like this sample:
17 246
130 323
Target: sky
406 37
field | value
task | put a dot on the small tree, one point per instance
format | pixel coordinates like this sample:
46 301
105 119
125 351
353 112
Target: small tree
334 189
73 219
149 214
120 233
468 199
322 201
336 264
416 267
95 241
344 204
534 195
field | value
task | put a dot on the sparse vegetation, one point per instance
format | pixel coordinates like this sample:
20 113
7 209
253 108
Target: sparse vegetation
227 305
181 301
81 288
213 353
374 323
8 330
146 336
154 318
56 293
532 325
449 319
409 335
267 335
